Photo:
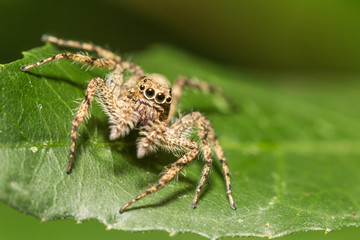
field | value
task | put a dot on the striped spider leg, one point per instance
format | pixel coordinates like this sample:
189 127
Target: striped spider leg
171 137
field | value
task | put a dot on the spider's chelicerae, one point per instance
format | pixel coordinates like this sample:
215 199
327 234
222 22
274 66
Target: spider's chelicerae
148 103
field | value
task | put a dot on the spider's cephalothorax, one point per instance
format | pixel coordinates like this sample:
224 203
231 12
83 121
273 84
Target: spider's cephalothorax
152 98
144 102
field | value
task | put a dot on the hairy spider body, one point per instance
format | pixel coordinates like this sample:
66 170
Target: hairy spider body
140 107
148 103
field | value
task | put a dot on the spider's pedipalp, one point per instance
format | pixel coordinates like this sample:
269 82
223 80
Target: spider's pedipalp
145 143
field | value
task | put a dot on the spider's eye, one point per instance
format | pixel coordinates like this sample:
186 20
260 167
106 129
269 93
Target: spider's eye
160 98
142 87
168 100
150 93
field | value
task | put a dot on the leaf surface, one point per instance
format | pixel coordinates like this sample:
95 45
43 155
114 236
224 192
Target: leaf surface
293 152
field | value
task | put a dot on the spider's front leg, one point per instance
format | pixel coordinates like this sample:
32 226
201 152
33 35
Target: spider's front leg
107 98
115 81
102 52
161 137
84 59
110 59
96 85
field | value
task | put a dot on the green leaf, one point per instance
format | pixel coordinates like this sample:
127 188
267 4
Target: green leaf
293 151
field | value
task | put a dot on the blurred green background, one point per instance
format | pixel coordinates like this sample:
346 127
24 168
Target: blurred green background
277 37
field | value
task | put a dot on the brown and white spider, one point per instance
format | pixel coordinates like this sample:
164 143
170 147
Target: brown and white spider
144 102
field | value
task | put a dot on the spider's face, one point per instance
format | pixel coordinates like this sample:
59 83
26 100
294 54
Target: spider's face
155 90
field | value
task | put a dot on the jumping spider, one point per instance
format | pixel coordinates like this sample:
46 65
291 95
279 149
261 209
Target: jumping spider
144 102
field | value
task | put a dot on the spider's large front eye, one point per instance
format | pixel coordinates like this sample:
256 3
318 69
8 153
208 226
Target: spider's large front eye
142 87
160 98
150 93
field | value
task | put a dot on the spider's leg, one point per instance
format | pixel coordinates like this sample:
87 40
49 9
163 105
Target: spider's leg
115 81
83 46
208 138
204 129
98 86
127 117
104 53
182 82
97 62
220 155
169 141
149 139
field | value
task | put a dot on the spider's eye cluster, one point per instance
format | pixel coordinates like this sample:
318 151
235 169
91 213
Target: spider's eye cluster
150 93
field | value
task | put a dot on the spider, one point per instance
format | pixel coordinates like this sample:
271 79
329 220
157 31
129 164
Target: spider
147 103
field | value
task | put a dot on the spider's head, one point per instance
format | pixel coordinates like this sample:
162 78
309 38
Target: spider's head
155 90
